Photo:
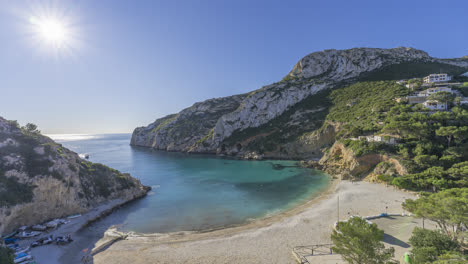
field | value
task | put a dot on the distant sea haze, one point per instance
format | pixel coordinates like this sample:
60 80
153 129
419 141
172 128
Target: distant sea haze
194 191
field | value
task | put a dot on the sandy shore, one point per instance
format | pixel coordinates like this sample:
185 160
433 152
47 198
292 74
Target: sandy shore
268 240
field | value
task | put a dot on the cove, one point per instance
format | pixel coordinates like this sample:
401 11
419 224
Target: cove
194 191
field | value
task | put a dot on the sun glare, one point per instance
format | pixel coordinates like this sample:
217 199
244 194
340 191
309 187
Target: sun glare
52 31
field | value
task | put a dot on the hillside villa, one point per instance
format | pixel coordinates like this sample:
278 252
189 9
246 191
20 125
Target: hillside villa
436 83
434 90
387 139
435 105
435 78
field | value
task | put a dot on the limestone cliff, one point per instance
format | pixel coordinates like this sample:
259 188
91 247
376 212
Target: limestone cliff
276 120
41 180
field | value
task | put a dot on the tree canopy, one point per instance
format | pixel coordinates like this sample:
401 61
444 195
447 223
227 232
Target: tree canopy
448 208
359 242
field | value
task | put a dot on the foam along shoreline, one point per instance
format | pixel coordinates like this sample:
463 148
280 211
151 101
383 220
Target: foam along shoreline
268 240
51 253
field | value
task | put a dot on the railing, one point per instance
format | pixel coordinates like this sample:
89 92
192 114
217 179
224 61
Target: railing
302 252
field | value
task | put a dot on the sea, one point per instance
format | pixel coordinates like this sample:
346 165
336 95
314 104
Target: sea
194 192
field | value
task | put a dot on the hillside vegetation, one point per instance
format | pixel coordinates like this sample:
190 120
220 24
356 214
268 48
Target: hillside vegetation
36 172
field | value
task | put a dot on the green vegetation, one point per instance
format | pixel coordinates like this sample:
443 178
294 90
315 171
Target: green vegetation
164 122
428 245
365 103
6 255
448 208
411 70
205 138
359 242
13 192
98 179
362 147
433 147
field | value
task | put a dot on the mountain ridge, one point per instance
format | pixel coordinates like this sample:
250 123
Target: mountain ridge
192 129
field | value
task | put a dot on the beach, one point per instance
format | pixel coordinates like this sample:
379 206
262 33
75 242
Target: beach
268 240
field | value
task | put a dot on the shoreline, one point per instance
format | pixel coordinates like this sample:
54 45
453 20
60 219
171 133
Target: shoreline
264 221
52 252
112 235
267 240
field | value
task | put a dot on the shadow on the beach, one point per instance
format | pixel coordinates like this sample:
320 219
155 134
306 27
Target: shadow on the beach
395 241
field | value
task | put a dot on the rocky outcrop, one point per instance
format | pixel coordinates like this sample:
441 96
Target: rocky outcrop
340 160
41 180
224 125
188 130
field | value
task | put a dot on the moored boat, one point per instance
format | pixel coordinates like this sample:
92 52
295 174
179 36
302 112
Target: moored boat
22 257
26 234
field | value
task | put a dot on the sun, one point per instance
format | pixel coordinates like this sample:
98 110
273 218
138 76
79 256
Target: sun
52 31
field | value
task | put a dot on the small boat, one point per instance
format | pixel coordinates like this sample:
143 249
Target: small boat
10 240
22 257
12 246
38 227
74 216
26 234
23 228
12 234
63 240
52 224
21 250
43 241
84 156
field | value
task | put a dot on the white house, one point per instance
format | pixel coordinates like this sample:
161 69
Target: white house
379 138
434 78
434 90
435 105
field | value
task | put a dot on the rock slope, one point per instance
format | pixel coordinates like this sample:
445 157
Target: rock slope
41 180
282 111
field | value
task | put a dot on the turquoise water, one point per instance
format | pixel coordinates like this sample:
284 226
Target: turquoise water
197 192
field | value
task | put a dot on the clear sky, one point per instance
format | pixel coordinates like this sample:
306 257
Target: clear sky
130 62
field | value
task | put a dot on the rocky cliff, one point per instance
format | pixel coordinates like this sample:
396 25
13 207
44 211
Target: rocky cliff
343 162
275 120
41 180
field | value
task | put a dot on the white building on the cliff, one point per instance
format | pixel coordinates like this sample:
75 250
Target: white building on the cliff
437 77
435 105
434 90
379 138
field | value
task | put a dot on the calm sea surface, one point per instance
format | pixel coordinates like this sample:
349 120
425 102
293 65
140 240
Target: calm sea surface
195 192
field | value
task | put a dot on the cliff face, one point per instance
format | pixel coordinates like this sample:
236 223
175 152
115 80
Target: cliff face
41 180
340 160
279 113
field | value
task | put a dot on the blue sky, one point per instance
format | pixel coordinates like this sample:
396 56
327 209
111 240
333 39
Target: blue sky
135 61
